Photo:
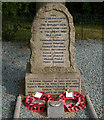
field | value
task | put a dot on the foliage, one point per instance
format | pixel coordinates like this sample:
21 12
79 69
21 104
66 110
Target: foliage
15 8
9 32
86 8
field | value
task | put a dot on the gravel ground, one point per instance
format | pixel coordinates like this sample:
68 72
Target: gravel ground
15 57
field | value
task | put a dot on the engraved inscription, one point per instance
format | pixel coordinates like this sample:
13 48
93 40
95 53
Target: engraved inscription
51 86
54 27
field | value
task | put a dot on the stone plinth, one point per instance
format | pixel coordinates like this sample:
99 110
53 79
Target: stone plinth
53 84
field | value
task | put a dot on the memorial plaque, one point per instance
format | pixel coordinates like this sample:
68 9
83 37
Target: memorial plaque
52 61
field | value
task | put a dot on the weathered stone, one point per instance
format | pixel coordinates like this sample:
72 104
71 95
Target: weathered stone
43 2
55 109
53 84
17 108
52 65
53 40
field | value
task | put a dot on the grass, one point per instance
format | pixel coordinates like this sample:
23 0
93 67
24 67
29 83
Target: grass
88 31
23 35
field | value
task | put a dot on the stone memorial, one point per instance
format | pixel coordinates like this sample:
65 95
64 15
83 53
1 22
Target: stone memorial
52 65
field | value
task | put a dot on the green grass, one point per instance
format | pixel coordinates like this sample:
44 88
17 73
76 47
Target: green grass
89 32
23 35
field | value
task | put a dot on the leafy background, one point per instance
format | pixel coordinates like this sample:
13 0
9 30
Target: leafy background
17 19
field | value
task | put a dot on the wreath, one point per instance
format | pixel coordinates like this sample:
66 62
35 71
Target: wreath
37 103
81 101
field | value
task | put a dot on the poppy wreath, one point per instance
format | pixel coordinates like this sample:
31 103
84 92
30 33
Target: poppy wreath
81 101
30 102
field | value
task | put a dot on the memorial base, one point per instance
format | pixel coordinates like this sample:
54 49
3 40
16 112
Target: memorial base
50 83
44 114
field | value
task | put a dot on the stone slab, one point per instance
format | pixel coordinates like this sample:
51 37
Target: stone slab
55 111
